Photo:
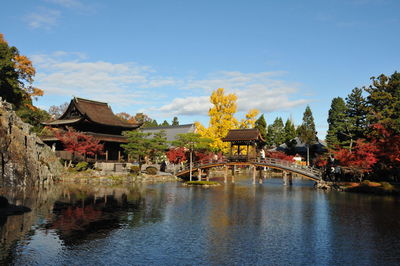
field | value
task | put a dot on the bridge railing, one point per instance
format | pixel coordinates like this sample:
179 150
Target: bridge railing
268 161
285 163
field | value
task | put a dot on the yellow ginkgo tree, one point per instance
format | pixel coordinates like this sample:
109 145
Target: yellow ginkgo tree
222 119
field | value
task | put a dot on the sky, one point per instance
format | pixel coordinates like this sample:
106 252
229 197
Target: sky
165 57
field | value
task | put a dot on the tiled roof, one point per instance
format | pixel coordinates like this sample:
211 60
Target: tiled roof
242 135
100 113
96 112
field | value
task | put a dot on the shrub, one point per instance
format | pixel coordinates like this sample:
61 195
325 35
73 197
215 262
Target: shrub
134 169
365 182
81 166
387 186
151 170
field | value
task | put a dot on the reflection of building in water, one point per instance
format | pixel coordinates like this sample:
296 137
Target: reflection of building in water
87 213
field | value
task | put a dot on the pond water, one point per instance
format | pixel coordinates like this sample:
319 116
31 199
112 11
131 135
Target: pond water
169 224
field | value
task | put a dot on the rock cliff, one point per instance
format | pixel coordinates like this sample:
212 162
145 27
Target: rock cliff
24 159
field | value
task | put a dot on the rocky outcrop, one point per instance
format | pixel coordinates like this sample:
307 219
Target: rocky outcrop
24 159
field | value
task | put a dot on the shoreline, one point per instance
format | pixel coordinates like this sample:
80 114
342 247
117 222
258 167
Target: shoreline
365 187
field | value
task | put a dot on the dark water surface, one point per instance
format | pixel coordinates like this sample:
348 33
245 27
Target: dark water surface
168 224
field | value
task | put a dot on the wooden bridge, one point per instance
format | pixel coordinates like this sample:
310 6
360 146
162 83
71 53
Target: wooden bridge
283 165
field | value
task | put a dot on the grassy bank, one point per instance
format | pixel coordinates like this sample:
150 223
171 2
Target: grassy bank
381 188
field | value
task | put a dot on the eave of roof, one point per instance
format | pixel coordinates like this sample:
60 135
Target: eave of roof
98 136
63 121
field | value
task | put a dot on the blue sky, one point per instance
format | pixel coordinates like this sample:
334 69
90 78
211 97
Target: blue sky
165 58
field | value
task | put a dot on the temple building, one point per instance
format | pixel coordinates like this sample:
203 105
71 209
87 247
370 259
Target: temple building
95 119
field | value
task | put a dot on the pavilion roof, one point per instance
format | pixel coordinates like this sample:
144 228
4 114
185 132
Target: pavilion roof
235 135
94 111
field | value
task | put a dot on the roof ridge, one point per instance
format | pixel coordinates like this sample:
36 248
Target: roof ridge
87 100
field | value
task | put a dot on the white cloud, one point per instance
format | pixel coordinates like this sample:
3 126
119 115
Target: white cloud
254 90
127 84
43 18
187 106
67 74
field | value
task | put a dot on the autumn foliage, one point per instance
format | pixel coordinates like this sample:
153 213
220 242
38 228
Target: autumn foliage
380 152
176 155
279 155
80 143
361 158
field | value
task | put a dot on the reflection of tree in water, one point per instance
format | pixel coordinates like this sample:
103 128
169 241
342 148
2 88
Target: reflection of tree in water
87 213
16 227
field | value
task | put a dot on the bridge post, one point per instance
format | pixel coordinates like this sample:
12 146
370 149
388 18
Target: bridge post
254 174
287 178
199 174
260 176
290 179
284 176
226 174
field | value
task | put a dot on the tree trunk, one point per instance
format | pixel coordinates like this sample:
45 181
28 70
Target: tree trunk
140 165
190 166
308 155
351 144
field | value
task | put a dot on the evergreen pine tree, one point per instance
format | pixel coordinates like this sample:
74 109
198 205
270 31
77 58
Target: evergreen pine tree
383 101
290 135
165 123
339 133
261 125
175 121
307 132
276 130
357 114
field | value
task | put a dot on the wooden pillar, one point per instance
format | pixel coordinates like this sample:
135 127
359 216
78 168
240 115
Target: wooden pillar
260 176
119 156
231 151
254 174
208 175
226 174
290 179
287 180
106 156
95 157
238 150
199 174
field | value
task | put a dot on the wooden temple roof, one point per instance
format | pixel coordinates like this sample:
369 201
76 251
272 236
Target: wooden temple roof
243 135
97 112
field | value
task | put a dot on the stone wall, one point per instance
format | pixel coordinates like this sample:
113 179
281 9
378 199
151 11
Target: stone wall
24 159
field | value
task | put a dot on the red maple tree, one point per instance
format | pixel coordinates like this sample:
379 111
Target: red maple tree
78 142
279 155
176 155
361 158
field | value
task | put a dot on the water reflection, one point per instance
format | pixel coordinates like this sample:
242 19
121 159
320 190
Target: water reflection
233 224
